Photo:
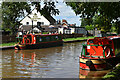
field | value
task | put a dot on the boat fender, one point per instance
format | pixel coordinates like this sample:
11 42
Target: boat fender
17 47
89 63
107 50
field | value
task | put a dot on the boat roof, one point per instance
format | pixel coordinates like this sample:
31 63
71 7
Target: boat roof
109 37
113 37
43 34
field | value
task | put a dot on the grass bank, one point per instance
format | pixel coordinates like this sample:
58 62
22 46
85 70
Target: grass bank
67 39
8 44
78 38
113 75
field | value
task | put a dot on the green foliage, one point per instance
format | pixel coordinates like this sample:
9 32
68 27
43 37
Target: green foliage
85 21
113 29
78 38
114 74
106 13
49 8
89 27
8 44
13 11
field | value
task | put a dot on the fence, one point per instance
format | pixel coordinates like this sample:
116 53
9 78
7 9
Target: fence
72 35
7 39
94 32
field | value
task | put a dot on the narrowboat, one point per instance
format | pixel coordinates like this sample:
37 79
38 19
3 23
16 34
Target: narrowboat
36 41
100 53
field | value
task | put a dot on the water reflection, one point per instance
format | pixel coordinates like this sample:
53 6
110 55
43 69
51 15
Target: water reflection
55 62
93 75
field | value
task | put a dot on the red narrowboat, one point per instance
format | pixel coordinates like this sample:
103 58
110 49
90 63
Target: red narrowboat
36 41
99 53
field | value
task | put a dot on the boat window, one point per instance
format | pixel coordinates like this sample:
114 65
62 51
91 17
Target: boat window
27 23
57 37
47 39
40 39
90 41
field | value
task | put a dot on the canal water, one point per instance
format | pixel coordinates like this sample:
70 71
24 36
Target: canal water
55 62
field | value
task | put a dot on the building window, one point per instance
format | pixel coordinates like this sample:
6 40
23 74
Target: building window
42 23
27 23
38 23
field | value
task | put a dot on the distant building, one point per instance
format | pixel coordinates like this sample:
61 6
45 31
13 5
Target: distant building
71 29
80 30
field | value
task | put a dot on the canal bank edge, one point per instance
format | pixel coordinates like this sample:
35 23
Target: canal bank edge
7 47
12 47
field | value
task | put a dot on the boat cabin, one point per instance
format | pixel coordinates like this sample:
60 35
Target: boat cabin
39 38
98 48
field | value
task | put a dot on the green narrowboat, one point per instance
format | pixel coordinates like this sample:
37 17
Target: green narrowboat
36 41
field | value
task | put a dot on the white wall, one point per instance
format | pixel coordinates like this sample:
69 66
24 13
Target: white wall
40 19
72 30
66 31
60 30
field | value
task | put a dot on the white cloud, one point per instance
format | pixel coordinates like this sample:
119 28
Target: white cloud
67 13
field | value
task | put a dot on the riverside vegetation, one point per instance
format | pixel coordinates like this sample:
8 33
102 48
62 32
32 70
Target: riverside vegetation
67 39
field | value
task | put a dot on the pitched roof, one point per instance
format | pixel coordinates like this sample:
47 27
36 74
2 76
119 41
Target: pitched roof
26 27
48 17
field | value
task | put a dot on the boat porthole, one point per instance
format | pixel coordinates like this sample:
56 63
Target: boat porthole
40 39
56 37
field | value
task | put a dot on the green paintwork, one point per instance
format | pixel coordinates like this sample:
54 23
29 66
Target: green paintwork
91 45
83 50
104 53
47 38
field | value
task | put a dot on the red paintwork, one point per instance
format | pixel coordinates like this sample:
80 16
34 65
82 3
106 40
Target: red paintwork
99 49
95 52
22 47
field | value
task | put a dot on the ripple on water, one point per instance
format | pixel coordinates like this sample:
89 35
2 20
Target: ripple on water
55 62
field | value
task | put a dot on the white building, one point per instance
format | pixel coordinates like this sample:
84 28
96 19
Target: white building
66 31
37 19
71 30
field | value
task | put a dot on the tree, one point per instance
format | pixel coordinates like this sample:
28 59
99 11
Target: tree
85 22
13 11
102 23
109 10
49 8
89 27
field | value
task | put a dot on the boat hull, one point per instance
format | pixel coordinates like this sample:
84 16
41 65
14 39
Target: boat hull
94 64
38 46
92 74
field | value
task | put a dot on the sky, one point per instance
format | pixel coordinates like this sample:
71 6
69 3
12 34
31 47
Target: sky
67 13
